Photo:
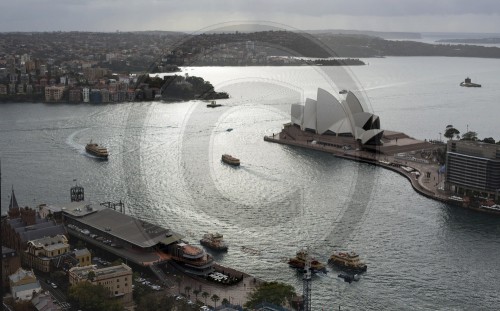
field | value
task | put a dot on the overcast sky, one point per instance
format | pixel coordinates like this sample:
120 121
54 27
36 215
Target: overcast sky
193 15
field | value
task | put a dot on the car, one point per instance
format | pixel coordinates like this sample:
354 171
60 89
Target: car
53 285
204 308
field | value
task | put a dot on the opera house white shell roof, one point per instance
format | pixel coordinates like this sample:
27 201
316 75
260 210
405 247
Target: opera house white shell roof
327 115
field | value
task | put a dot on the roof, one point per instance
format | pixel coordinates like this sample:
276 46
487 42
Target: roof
129 229
26 287
43 232
77 209
82 252
13 201
21 274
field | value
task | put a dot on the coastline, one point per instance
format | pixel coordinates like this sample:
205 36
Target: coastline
424 185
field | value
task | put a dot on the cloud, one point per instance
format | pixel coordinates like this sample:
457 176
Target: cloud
190 15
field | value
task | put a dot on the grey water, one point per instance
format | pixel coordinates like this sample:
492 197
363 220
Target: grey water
165 165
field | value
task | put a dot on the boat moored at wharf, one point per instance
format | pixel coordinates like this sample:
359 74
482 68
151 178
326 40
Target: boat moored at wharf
348 261
299 262
214 241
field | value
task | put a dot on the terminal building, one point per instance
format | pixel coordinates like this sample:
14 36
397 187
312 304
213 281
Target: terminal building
473 168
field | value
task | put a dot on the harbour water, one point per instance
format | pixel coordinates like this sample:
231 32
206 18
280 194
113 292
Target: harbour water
165 165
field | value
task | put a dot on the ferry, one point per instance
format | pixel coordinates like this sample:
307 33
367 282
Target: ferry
226 158
468 83
214 241
96 150
299 262
348 261
213 104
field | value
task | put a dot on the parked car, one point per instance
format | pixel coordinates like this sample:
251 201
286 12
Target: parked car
53 285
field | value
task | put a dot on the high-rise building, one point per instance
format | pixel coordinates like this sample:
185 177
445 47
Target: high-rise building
473 167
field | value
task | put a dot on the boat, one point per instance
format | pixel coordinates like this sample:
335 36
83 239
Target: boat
96 150
213 104
214 241
299 262
226 158
343 92
468 83
347 260
348 277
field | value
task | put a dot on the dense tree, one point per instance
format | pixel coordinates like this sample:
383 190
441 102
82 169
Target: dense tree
450 132
489 140
89 297
156 302
470 135
274 292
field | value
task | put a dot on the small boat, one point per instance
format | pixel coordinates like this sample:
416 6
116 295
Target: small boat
214 241
348 277
343 92
348 261
299 262
213 104
468 83
226 158
96 150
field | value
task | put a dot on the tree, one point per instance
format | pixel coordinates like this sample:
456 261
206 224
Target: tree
187 289
225 301
470 135
196 292
205 295
87 296
274 292
91 276
450 132
489 140
215 298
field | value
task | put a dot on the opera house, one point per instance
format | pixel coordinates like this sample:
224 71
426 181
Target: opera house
346 118
345 123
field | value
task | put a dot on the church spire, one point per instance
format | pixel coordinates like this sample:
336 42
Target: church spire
13 201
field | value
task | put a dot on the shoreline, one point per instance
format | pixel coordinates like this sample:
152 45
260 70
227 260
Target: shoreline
425 186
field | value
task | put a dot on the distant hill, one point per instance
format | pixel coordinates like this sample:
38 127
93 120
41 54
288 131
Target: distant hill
472 41
380 34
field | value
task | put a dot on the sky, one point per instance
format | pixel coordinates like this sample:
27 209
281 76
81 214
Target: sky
476 16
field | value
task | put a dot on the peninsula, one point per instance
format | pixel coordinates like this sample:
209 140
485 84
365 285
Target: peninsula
347 130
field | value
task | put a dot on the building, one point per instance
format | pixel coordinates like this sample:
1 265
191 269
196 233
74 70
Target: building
473 168
41 252
346 118
25 224
116 279
43 302
54 93
75 95
23 284
83 256
86 94
11 262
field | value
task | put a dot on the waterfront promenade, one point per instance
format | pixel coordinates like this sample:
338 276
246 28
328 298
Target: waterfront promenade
422 173
236 294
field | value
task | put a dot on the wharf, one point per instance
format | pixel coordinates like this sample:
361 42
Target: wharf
423 175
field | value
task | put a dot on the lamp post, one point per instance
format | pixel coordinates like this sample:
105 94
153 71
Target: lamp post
439 136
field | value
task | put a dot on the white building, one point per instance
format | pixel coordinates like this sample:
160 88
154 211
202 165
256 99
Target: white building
328 116
86 94
23 283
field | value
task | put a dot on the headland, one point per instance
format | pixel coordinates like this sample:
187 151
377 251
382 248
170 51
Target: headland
354 134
